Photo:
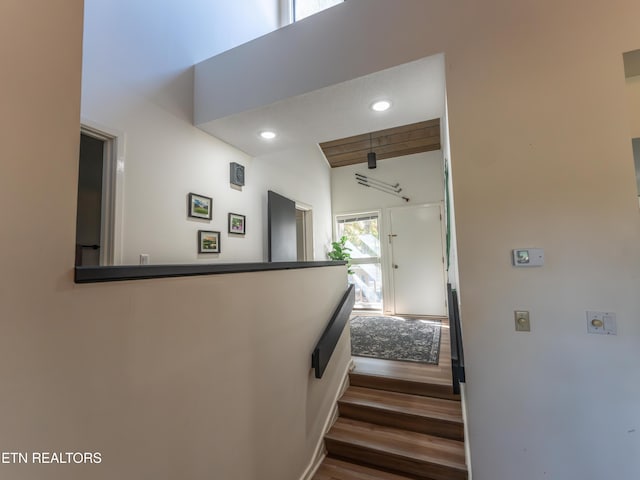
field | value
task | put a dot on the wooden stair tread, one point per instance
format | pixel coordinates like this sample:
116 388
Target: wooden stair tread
415 447
334 469
410 372
403 403
394 384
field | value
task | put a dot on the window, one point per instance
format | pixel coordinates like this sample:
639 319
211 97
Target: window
294 10
305 8
363 238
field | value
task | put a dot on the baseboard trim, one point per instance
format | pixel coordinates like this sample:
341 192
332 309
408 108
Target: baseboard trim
319 452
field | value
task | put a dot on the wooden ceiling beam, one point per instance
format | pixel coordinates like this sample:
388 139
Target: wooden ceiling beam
399 153
389 151
389 131
392 142
383 140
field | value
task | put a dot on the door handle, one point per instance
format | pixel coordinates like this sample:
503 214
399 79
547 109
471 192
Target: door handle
395 266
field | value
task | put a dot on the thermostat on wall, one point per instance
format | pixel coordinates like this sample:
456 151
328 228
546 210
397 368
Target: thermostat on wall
236 174
528 257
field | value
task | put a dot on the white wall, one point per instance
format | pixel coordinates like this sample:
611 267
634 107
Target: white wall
138 81
452 272
420 176
539 403
300 174
198 378
538 122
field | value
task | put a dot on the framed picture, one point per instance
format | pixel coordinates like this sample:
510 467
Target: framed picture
208 242
200 206
237 224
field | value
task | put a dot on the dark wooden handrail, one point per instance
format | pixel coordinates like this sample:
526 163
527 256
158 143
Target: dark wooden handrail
457 350
118 273
329 339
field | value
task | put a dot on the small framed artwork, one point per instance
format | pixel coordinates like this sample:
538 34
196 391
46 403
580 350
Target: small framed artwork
208 242
200 206
237 224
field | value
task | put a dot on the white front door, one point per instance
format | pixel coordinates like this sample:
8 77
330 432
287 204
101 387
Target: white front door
417 260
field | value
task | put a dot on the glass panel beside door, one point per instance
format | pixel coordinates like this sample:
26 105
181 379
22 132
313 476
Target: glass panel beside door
363 238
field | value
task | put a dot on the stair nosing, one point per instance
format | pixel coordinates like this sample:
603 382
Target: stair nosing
442 383
372 405
423 458
337 463
395 454
406 414
395 384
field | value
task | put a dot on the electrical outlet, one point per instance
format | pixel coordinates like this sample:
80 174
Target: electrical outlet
522 321
603 323
144 259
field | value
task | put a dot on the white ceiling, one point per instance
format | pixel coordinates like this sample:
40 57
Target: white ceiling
416 90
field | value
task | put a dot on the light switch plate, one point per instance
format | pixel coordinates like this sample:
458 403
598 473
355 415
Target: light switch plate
522 321
603 323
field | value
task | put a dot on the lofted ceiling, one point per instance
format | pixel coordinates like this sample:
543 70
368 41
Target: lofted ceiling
416 91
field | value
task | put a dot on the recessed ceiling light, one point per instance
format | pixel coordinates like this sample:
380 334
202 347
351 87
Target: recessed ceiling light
381 106
268 134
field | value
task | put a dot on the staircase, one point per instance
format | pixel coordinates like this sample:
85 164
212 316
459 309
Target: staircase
395 424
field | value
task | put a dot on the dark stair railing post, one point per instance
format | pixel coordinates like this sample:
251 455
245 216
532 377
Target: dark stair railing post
457 351
79 252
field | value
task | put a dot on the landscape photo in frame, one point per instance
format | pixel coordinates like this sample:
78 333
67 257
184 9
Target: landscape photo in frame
208 242
200 206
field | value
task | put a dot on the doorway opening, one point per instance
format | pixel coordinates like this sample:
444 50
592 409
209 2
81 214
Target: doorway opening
304 232
96 194
363 238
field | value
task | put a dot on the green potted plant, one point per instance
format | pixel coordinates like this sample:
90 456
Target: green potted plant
341 252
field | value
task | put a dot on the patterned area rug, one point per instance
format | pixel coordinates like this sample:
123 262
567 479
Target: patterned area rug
396 338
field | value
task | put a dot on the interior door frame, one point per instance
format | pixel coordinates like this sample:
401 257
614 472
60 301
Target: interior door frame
307 214
112 190
387 267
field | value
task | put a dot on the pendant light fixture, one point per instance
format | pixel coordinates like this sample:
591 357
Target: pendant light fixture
371 156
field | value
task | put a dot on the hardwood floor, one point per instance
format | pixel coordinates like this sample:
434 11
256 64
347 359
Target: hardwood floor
398 420
409 377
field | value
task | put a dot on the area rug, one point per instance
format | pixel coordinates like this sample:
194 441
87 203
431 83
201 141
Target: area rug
396 338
